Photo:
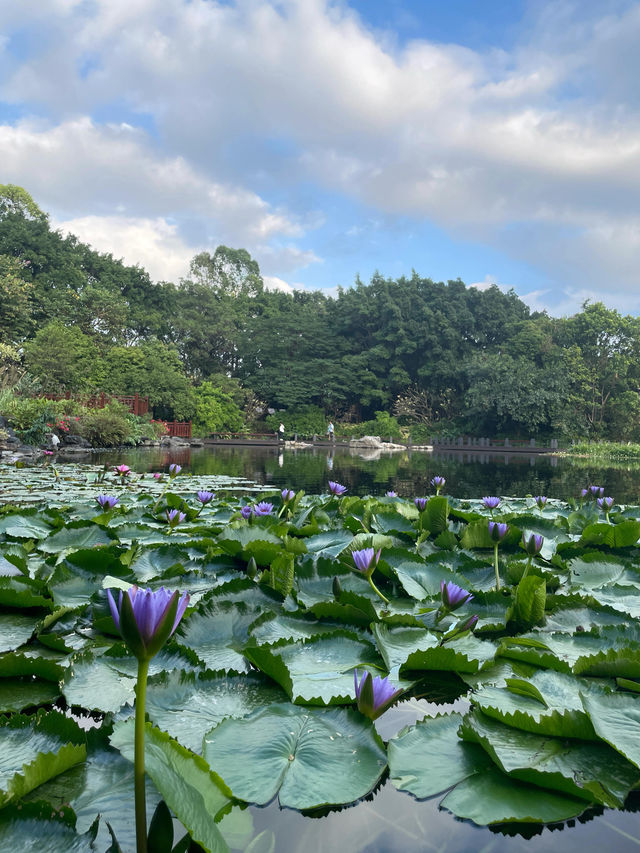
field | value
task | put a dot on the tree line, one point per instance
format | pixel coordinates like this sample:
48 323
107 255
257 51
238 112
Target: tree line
217 346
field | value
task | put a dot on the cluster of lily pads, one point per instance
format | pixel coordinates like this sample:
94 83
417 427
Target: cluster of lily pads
299 621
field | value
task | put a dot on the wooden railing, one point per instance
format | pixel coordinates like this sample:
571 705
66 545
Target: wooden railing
136 404
179 429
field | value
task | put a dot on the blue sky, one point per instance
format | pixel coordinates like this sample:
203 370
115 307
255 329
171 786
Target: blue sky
493 142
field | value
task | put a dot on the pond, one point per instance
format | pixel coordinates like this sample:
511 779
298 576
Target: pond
369 472
233 617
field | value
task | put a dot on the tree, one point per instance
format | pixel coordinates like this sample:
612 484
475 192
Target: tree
215 410
62 358
15 314
17 201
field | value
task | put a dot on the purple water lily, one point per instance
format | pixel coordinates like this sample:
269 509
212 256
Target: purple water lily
453 596
584 493
421 503
205 497
263 508
336 489
605 503
174 469
540 500
374 695
366 560
147 618
438 483
175 517
391 494
498 530
533 545
490 502
287 495
107 502
246 511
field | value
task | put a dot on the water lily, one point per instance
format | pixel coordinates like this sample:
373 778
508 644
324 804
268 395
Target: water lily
605 504
491 502
533 546
453 596
107 502
460 628
263 508
596 491
246 511
175 517
366 560
497 532
205 497
438 483
146 619
336 488
391 494
374 695
421 503
122 470
540 501
174 469
157 476
287 495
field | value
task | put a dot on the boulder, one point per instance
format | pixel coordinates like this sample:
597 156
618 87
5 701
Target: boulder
75 441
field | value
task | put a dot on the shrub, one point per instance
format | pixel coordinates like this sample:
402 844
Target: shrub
384 425
216 411
105 428
305 421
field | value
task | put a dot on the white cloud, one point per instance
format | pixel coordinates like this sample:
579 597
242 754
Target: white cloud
151 243
470 141
272 282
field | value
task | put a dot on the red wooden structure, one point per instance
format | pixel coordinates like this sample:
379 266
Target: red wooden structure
136 404
179 429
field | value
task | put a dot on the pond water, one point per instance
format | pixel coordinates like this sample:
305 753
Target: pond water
408 473
389 821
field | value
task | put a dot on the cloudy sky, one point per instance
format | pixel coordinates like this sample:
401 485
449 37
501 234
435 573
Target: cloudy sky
495 141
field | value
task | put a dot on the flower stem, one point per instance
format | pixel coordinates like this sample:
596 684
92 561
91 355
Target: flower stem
138 765
376 590
495 564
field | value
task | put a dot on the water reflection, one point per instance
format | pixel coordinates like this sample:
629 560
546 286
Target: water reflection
389 821
370 471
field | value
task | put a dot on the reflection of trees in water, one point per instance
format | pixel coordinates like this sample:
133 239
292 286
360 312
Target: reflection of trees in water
409 473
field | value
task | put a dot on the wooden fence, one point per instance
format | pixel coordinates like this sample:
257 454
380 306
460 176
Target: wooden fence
179 429
137 405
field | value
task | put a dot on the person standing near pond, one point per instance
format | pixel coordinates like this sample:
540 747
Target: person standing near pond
281 432
330 433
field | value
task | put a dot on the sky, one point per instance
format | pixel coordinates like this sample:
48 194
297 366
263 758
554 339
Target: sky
494 141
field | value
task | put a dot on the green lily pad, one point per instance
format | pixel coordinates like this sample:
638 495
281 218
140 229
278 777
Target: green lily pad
187 705
307 756
428 758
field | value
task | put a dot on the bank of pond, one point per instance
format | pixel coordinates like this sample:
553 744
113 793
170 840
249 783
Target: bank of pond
342 671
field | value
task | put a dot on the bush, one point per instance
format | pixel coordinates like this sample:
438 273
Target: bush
384 425
105 428
305 421
216 411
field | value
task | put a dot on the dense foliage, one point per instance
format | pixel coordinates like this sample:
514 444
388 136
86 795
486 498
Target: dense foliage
441 357
264 659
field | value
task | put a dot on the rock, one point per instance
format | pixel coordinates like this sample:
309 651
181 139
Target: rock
74 441
196 442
